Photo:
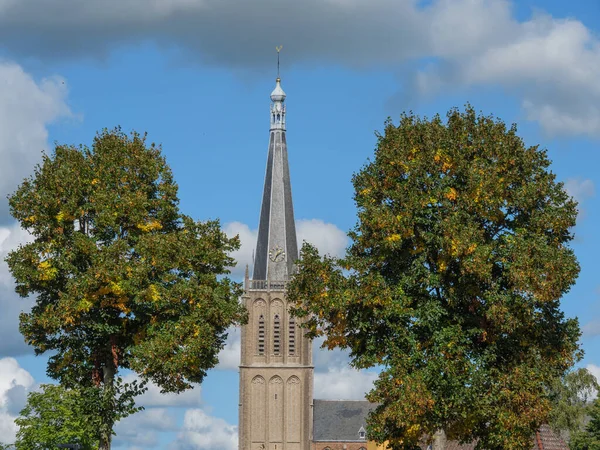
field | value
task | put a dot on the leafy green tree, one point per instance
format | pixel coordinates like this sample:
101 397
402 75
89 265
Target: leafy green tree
56 415
452 283
571 398
590 438
122 279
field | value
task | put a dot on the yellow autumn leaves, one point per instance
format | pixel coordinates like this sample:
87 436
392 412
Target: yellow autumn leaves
46 272
153 225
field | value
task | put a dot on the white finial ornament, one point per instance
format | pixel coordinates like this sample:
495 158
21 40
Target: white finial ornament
278 99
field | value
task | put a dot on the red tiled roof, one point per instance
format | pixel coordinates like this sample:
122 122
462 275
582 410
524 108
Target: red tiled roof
545 439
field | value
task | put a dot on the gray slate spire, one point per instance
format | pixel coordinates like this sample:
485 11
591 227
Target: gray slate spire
277 248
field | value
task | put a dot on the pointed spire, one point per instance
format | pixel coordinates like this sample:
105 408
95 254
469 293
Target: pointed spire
276 248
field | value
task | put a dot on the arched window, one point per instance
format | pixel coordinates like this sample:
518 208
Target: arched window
276 335
292 336
261 335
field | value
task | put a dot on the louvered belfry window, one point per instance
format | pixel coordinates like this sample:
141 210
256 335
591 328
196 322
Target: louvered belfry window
261 335
292 337
276 335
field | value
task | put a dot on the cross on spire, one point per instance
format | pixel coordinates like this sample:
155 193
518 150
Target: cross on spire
278 48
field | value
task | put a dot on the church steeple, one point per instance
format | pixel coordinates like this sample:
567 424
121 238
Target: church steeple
276 248
276 371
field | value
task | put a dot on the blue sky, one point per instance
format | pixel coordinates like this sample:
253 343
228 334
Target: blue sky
196 75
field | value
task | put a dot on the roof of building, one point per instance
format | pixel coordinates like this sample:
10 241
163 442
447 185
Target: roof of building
546 439
339 420
276 246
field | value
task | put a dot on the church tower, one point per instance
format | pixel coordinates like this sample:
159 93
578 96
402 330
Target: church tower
276 371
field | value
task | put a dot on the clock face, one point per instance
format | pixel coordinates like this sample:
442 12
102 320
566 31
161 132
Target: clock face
277 254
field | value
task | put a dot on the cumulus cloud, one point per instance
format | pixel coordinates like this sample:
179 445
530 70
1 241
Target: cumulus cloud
26 108
580 189
591 329
594 370
142 429
551 64
243 256
202 431
327 237
325 359
343 384
14 383
229 357
11 305
153 398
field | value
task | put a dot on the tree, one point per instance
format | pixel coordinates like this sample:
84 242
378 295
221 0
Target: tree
571 399
452 283
56 415
123 279
590 438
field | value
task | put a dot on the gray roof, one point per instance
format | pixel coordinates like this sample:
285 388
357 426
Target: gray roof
339 420
276 228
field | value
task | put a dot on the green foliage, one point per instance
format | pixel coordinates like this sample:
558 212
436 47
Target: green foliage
452 283
56 415
571 400
590 438
122 278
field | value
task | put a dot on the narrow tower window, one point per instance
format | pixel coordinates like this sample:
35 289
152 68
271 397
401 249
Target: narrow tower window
261 335
276 335
292 337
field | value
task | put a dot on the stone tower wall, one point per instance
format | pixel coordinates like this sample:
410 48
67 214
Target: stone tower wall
276 387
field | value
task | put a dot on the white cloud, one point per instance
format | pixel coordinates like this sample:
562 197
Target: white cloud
594 370
591 329
580 189
12 378
325 359
202 431
343 384
153 398
243 256
26 108
229 357
327 237
11 305
550 64
142 429
335 379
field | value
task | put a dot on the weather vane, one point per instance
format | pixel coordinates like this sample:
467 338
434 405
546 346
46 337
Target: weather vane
278 50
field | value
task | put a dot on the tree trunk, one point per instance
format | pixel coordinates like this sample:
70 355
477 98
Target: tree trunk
108 403
439 440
